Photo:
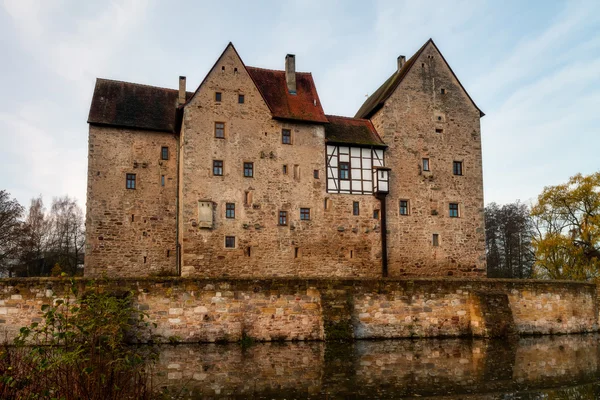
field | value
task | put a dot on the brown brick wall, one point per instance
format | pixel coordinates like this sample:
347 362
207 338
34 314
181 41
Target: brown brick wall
408 122
116 245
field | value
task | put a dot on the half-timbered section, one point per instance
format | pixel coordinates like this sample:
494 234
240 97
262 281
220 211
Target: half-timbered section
354 150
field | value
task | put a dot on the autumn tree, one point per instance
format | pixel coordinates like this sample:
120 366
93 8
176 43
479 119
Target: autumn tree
567 229
508 234
10 231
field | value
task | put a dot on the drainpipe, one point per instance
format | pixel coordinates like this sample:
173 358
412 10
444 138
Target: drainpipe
384 255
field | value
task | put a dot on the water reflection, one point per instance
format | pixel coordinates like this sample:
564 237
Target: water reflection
559 367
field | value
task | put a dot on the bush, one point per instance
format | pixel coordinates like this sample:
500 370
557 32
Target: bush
81 350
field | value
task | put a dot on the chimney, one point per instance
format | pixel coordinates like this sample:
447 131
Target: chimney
181 97
290 73
401 61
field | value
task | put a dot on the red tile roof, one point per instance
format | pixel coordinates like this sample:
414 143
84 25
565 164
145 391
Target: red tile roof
132 105
346 130
303 106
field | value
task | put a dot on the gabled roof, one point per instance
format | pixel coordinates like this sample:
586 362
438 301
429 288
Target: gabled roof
351 131
303 106
378 98
132 105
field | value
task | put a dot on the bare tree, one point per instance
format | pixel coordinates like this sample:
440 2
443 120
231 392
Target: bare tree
10 231
34 240
67 236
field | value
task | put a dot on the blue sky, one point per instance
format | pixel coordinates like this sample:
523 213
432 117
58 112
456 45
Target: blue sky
532 66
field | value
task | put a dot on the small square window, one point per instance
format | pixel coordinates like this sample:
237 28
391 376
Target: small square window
305 214
230 242
426 164
217 96
316 173
457 168
355 208
435 240
403 207
344 171
283 218
286 136
230 210
241 99
164 153
248 169
220 130
453 210
443 91
217 167
130 181
375 214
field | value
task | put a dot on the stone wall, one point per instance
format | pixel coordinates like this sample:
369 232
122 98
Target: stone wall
130 232
409 122
210 310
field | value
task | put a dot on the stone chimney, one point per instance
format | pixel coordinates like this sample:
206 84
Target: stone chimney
290 73
181 97
401 61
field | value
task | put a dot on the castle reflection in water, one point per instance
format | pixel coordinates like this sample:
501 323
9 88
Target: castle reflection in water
557 367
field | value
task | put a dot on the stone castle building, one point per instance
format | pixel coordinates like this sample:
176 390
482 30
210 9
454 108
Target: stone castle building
248 177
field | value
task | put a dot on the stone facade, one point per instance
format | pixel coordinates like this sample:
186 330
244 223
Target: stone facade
184 228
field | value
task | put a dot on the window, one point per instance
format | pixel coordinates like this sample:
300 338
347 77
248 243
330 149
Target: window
435 240
282 217
403 207
217 168
453 210
457 168
443 91
344 171
285 169
316 173
426 164
286 136
164 153
220 130
297 172
296 252
327 204
355 208
248 169
217 96
162 180
130 181
439 130
241 98
305 214
375 214
230 242
230 210
247 198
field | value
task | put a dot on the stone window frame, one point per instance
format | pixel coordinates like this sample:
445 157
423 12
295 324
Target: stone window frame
454 210
435 240
355 208
218 97
404 209
457 168
304 214
130 181
164 153
219 130
230 210
286 136
426 164
248 169
282 221
218 167
241 98
230 242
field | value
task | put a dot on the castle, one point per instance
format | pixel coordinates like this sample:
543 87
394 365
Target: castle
248 177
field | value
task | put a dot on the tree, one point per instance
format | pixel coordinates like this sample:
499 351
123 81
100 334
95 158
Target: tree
567 229
10 230
67 238
508 231
34 240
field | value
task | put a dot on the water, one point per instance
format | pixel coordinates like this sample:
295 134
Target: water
558 367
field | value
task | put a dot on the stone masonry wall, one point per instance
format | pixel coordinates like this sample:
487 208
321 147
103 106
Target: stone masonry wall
408 122
130 232
210 310
334 242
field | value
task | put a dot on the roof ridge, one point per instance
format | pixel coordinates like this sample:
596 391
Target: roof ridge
135 83
276 70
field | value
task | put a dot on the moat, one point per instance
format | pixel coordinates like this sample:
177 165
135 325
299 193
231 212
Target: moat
543 367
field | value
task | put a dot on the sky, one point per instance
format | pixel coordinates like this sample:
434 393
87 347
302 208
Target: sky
532 66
